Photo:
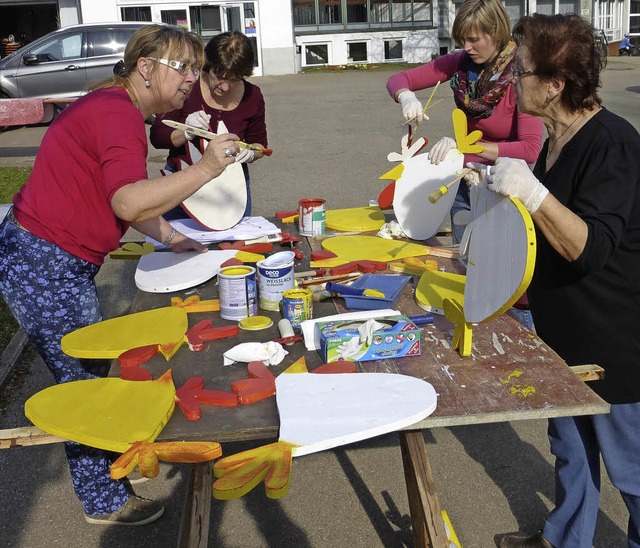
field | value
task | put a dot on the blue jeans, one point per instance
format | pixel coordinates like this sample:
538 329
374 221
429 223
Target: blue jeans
578 443
179 213
462 202
52 293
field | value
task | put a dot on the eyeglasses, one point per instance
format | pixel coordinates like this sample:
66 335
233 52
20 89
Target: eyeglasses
522 73
221 80
182 68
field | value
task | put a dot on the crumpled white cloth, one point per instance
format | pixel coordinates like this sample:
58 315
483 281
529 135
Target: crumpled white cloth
391 231
271 353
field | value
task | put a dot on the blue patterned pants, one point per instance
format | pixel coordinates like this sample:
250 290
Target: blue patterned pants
52 293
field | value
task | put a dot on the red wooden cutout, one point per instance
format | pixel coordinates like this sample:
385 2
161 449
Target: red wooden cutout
253 390
284 214
135 374
371 266
231 262
385 199
137 356
320 255
347 268
336 367
258 370
192 394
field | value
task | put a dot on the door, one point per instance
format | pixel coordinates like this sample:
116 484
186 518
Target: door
233 17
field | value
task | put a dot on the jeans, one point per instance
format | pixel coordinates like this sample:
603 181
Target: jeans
51 293
578 443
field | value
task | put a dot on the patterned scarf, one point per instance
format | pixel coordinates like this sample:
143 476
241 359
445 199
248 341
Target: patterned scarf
478 93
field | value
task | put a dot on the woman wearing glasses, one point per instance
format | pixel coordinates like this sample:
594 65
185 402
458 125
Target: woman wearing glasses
480 77
221 95
88 186
584 199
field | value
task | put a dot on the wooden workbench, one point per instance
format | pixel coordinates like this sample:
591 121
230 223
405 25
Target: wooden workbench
511 375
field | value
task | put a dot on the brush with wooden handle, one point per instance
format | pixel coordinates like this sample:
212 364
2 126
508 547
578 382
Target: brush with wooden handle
435 196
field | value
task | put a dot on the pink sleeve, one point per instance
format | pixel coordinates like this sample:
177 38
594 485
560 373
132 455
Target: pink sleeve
528 142
440 69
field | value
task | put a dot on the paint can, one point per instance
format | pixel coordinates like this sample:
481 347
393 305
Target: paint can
275 275
297 306
312 216
237 292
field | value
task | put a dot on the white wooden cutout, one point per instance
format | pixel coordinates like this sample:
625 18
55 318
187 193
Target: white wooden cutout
501 254
318 412
418 217
219 204
164 271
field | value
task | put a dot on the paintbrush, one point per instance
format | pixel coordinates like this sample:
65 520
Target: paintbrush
436 195
210 135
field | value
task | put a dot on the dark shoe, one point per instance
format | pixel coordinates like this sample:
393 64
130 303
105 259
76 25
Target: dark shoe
522 541
136 477
136 511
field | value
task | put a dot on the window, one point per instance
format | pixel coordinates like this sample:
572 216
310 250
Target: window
316 54
304 12
108 42
545 7
357 11
568 6
329 12
68 46
136 14
634 17
392 50
380 11
515 9
206 20
357 52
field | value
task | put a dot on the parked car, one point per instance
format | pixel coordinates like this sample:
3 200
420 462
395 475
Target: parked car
64 62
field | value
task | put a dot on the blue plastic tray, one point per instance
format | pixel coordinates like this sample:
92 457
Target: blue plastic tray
391 285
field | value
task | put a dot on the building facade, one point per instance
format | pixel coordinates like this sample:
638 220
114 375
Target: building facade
289 35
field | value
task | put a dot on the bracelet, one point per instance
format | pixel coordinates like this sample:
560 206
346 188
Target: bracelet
171 236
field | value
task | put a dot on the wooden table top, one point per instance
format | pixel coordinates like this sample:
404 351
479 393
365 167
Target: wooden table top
510 375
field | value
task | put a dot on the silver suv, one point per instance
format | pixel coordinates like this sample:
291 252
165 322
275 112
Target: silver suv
62 63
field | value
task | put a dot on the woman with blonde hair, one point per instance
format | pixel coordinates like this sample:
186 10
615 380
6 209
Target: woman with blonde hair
480 77
88 186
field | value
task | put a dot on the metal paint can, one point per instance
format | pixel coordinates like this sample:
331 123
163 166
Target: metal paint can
237 292
275 275
312 216
297 306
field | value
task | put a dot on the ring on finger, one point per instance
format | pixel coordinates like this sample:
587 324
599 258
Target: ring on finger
229 152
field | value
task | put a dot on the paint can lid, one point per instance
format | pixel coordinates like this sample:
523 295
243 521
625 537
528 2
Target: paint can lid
255 323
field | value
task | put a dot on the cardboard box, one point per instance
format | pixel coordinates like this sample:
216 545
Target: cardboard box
342 340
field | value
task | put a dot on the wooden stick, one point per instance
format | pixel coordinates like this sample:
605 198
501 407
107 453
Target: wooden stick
435 196
430 97
323 279
28 435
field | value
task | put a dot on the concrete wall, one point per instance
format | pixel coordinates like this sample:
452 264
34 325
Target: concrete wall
276 37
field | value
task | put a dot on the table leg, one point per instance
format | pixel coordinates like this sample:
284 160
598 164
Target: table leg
426 518
194 530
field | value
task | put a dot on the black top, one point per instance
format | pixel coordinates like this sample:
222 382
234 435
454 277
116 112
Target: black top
588 311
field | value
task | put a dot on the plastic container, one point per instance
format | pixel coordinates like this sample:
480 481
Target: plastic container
390 285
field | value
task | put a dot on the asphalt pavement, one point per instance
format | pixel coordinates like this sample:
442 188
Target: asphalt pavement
331 133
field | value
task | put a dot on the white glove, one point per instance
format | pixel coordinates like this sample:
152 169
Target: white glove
513 178
411 106
197 119
440 150
474 177
245 156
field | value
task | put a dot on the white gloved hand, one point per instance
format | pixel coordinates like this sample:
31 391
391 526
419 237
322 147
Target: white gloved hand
197 119
440 150
245 156
474 177
411 106
510 177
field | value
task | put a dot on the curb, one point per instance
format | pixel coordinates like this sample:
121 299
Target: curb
12 354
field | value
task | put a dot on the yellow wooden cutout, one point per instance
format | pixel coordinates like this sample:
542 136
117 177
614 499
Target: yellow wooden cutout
248 257
299 366
194 304
239 473
147 456
462 336
110 338
169 350
109 413
355 219
372 248
393 174
435 286
132 250
465 143
454 541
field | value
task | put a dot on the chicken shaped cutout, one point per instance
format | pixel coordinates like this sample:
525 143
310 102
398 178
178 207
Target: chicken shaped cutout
417 178
117 415
219 204
319 412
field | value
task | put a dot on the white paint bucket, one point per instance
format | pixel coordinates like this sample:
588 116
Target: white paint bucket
275 275
237 292
312 216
